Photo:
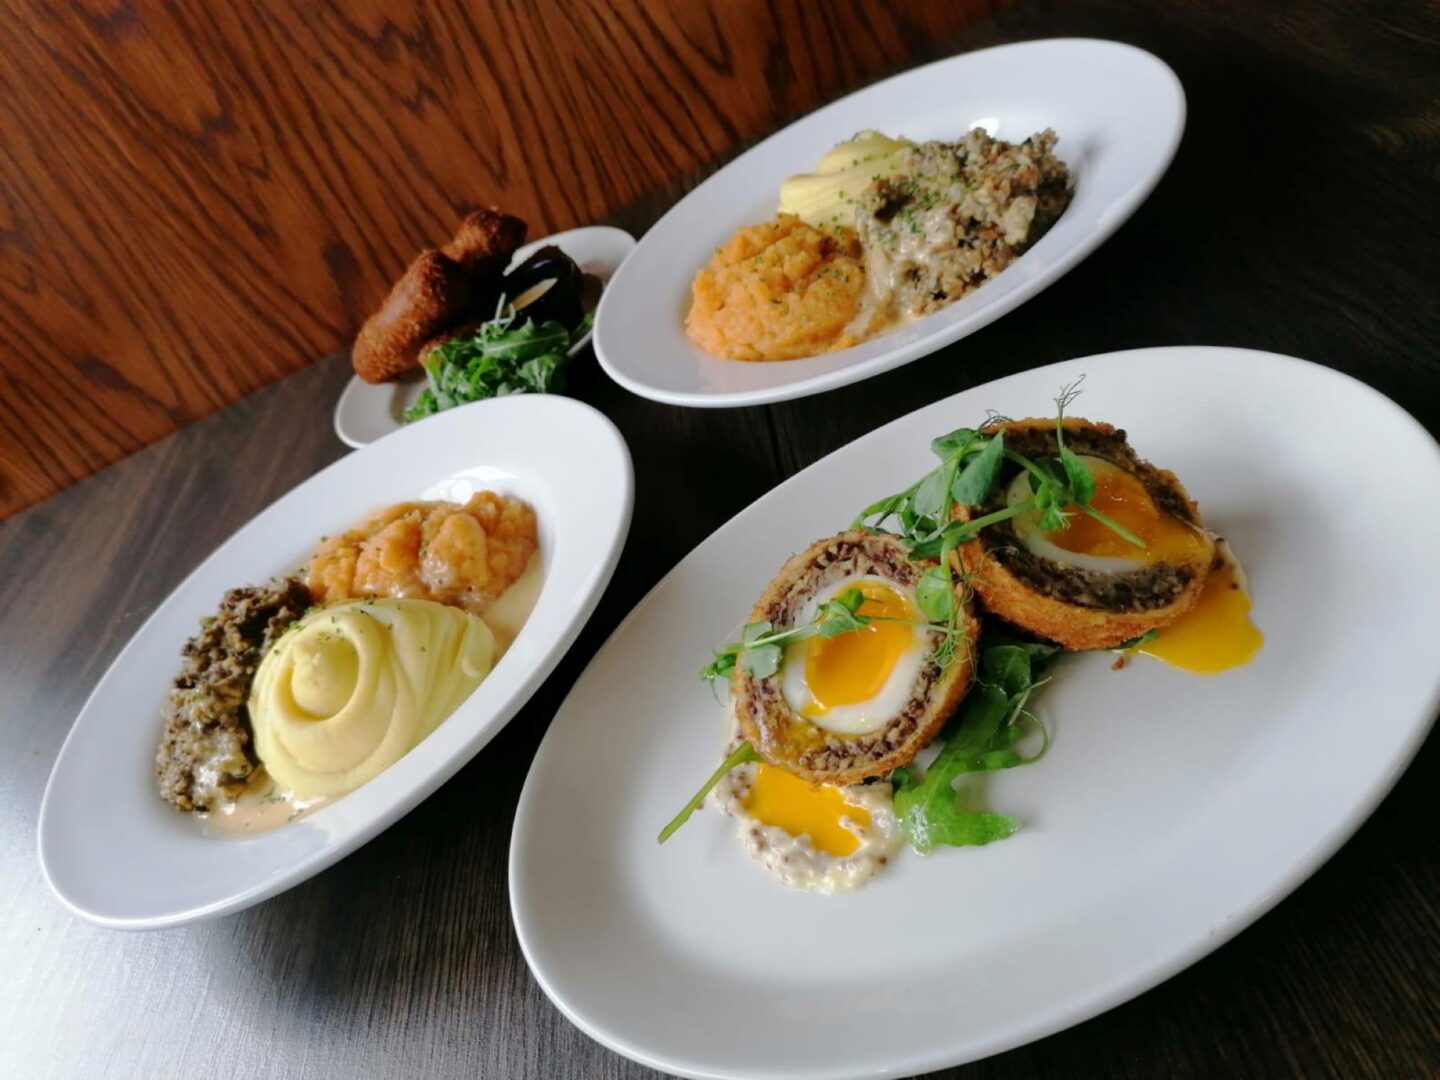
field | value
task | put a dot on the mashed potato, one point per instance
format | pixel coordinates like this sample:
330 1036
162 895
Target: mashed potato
353 687
776 291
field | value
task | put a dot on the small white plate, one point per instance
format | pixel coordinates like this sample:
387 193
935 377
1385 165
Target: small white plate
366 412
118 855
1118 111
1171 810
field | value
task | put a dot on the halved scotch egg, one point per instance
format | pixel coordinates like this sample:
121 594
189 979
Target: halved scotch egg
840 711
843 709
1085 586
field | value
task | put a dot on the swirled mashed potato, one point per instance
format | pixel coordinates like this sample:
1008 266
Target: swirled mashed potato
442 551
776 291
353 687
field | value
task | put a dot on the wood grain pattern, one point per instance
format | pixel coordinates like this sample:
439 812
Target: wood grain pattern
197 199
400 960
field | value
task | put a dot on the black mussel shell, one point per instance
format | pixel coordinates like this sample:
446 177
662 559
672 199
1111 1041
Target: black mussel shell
526 287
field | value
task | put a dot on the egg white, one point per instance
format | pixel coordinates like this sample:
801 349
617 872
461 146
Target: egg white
861 717
1036 540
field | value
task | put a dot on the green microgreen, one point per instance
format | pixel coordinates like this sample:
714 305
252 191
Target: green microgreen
1134 643
981 738
761 647
739 756
970 464
509 354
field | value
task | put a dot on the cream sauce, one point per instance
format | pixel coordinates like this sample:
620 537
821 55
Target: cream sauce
506 614
796 862
262 806
793 860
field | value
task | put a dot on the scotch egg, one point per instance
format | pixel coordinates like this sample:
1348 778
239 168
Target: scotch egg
1085 586
843 709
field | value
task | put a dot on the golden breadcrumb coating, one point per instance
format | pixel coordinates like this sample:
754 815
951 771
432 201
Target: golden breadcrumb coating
434 292
485 241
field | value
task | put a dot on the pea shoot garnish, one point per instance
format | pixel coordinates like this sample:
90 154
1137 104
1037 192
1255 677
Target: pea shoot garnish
741 755
970 463
760 650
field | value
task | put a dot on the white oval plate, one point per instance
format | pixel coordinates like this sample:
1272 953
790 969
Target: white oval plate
1118 111
118 855
1170 812
366 412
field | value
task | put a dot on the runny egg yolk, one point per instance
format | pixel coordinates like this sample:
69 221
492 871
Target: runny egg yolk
854 667
1216 634
1123 498
782 799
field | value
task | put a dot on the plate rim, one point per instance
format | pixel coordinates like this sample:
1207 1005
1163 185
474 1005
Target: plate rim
386 815
355 384
1127 985
942 337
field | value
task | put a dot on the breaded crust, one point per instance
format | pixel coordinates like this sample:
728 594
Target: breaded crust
437 291
485 241
434 293
1080 609
794 742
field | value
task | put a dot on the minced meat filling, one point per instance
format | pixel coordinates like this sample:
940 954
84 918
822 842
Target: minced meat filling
1102 442
205 754
957 214
1144 589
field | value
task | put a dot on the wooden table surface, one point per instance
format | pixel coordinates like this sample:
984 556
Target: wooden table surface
1299 216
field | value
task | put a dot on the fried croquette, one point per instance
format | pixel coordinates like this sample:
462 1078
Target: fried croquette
434 293
484 243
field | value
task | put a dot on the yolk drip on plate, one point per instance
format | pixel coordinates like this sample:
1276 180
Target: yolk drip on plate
1123 498
854 667
782 799
1216 634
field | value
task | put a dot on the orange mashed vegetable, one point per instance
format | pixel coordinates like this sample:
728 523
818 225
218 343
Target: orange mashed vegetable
464 556
776 291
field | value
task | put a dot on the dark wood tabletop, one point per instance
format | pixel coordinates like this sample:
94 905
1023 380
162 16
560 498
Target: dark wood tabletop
1299 216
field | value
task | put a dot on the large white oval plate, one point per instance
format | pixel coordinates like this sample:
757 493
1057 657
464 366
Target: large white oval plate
1170 812
117 855
1118 111
366 412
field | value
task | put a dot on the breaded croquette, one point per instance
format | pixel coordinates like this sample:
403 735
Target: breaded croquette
484 244
434 293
